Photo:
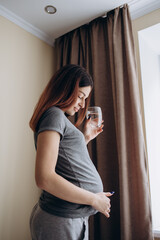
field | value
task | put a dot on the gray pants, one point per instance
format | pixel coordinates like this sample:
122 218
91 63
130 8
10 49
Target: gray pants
45 226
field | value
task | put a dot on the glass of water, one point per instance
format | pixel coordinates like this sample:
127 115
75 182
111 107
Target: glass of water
95 113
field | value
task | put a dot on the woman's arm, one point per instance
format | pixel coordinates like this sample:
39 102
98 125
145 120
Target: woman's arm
48 180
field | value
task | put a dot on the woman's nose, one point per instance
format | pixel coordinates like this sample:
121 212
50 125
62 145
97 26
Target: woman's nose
82 103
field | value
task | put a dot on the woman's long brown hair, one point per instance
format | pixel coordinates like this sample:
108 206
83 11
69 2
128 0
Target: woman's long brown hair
62 91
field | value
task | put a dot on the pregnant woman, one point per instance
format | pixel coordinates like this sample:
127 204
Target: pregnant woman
72 187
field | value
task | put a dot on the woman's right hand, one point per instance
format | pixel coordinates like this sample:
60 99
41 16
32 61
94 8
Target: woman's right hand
101 203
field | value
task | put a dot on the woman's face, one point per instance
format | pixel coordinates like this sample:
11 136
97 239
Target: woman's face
79 103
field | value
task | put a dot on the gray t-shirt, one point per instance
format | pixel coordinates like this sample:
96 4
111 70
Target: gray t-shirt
73 164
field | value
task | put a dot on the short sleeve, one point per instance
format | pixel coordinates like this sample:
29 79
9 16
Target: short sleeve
52 120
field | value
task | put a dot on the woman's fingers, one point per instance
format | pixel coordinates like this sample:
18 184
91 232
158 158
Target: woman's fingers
109 194
106 214
102 203
107 211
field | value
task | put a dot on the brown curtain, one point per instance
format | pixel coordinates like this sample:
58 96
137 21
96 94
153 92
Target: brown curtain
105 48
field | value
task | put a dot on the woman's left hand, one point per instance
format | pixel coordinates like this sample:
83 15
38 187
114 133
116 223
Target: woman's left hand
91 132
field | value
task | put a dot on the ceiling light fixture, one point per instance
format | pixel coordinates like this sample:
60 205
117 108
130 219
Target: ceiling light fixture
50 9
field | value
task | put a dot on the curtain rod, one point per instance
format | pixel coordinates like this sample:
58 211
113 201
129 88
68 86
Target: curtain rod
130 3
105 14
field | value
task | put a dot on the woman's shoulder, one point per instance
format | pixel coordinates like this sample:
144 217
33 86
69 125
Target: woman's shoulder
53 112
52 115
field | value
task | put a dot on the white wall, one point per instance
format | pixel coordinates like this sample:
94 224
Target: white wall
150 70
140 24
26 65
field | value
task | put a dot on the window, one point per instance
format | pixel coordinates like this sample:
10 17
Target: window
149 44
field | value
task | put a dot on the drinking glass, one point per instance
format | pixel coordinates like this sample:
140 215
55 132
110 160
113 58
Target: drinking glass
95 113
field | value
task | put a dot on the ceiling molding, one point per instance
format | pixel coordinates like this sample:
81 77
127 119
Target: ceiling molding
137 9
26 26
140 8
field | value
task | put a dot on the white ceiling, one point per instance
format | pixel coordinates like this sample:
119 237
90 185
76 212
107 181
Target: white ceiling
30 14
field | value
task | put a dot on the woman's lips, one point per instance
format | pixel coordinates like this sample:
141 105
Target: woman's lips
76 109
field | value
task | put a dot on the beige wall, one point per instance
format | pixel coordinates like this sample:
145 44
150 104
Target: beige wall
140 24
26 64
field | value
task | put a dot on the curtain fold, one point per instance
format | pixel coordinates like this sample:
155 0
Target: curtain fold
105 48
